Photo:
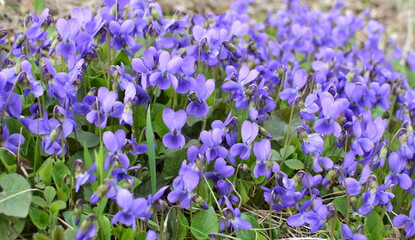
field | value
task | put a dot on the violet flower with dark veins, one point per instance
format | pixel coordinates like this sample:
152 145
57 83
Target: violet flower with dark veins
331 110
167 67
114 142
409 222
174 122
249 133
198 107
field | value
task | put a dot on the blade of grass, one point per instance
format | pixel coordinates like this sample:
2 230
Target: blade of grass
88 164
99 159
151 151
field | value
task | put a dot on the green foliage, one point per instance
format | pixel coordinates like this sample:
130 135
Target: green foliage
294 164
151 152
248 234
177 224
175 158
39 217
204 222
280 120
16 195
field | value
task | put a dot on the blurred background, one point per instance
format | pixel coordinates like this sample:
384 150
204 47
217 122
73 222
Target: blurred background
397 15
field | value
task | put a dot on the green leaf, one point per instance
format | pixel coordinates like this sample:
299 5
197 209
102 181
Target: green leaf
173 223
58 233
248 234
49 193
39 236
54 208
373 223
294 164
128 234
69 217
151 152
86 138
191 120
145 188
39 217
101 205
61 204
139 119
99 160
177 225
39 201
275 155
341 204
38 5
174 161
277 123
105 227
70 233
7 231
58 172
45 171
242 189
122 57
203 223
87 157
8 160
183 226
290 150
37 154
16 196
375 236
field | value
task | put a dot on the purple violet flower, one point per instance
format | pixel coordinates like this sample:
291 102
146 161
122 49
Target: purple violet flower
211 144
299 81
409 222
348 234
114 142
174 122
331 110
198 107
249 132
130 208
164 75
265 165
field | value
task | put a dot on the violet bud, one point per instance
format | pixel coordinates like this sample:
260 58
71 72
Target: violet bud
92 92
54 134
353 202
253 47
228 45
244 168
87 223
20 39
264 133
350 76
102 190
373 186
331 175
67 179
155 14
193 97
79 168
199 201
78 210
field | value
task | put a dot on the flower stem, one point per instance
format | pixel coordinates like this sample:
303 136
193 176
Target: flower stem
347 195
289 123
